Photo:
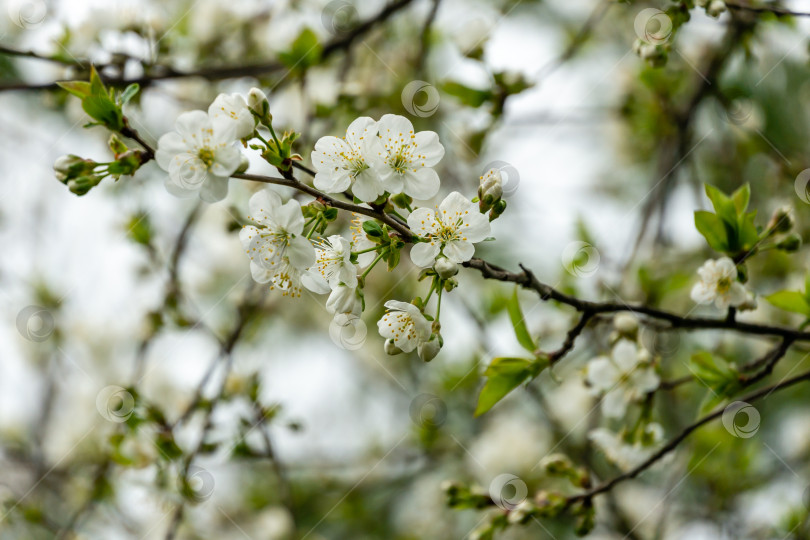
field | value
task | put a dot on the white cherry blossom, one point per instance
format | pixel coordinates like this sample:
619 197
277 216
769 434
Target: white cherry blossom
451 229
278 251
718 284
333 262
346 163
623 377
407 158
198 157
230 113
405 325
624 454
343 299
361 241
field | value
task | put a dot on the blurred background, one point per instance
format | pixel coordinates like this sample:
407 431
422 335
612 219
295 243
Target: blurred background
150 389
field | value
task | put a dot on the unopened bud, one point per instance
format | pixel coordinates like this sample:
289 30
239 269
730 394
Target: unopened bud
428 350
626 324
82 184
70 166
244 163
390 348
715 8
781 220
790 243
497 209
257 102
522 512
445 268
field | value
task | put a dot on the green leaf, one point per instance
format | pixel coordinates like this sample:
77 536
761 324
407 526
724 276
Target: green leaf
807 287
129 93
710 402
715 373
80 89
304 52
372 228
519 324
104 110
747 234
792 301
723 206
504 374
470 97
713 229
741 198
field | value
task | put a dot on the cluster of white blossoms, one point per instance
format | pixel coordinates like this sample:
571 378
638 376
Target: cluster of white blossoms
377 157
624 377
383 163
203 151
624 453
719 285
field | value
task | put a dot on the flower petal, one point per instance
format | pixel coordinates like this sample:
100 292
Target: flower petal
430 150
421 184
301 252
424 253
458 251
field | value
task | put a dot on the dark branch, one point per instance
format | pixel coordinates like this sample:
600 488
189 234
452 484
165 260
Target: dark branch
229 72
673 443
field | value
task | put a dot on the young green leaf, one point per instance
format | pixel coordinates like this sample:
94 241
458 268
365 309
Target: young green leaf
713 229
80 89
793 301
128 93
723 206
504 375
518 322
741 197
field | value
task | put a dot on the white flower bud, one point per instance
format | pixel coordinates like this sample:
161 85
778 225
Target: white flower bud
342 300
491 186
626 324
244 163
520 512
64 163
749 304
390 348
428 350
257 102
445 268
715 8
648 51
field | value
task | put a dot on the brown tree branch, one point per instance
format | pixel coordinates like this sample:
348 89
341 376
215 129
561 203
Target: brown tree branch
229 72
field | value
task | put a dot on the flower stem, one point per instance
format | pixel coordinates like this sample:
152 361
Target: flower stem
430 292
273 133
314 226
372 265
439 302
375 248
